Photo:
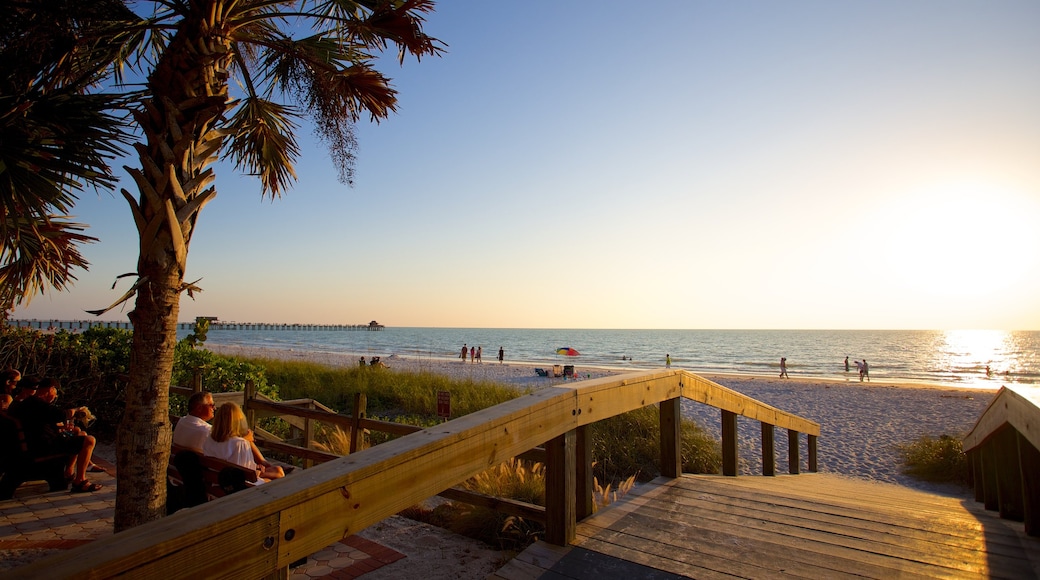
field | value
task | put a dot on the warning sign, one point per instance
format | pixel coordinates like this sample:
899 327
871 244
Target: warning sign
443 404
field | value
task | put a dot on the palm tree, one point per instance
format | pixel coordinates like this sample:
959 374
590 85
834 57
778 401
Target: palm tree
290 58
55 140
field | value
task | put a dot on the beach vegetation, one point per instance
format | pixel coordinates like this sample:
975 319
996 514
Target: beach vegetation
389 394
630 445
936 460
91 366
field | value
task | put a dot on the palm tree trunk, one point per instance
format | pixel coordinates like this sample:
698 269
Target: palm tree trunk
143 442
189 95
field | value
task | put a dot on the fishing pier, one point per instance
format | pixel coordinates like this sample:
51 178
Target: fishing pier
78 325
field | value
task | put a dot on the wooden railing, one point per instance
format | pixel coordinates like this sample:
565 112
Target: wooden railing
259 532
1003 455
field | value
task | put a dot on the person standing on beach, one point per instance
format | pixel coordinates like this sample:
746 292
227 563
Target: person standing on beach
501 355
667 360
846 364
859 366
866 371
472 354
463 355
783 368
479 353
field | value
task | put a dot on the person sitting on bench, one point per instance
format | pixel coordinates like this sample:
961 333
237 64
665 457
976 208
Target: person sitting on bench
47 432
193 429
227 441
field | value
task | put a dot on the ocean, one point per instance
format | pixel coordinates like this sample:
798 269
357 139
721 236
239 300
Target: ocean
963 358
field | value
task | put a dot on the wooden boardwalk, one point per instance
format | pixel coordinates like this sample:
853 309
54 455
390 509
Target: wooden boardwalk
809 526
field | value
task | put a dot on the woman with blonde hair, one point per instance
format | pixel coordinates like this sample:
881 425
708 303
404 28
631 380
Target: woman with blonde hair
229 440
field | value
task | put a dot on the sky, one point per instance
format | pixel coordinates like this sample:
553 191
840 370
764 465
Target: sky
675 164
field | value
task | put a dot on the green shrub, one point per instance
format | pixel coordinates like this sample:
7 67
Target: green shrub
939 460
629 444
91 366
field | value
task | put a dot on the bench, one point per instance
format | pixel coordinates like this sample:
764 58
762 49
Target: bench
18 465
193 479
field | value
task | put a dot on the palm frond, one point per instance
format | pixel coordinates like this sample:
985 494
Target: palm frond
39 252
261 142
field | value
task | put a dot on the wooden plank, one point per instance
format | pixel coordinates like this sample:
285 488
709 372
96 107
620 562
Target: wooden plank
988 548
717 549
877 511
860 523
809 544
685 563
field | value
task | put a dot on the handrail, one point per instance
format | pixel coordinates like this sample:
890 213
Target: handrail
257 532
1016 407
1003 450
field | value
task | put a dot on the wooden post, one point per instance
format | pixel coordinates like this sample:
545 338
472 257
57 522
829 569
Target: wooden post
670 412
813 459
989 477
583 478
560 513
768 450
1029 459
1009 475
793 453
248 395
975 459
196 380
360 407
308 435
729 443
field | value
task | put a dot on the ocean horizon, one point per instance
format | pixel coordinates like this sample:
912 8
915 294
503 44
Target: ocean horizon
962 358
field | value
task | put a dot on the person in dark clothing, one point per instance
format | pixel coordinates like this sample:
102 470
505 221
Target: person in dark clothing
48 431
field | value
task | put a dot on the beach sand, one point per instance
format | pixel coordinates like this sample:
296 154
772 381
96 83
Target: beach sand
861 423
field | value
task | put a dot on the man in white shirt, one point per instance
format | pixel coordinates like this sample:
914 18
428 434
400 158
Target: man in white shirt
194 427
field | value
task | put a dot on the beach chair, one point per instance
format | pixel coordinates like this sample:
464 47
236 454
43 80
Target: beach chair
541 372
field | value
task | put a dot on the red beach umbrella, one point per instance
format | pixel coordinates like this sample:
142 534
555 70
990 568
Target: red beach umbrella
567 351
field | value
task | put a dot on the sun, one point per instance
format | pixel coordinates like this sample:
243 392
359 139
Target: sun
962 240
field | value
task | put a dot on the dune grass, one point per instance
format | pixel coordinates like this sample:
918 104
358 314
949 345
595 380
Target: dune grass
388 392
934 460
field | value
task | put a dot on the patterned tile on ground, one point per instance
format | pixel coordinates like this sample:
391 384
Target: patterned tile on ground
38 522
351 557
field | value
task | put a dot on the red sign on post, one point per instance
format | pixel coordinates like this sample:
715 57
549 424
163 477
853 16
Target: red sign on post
443 404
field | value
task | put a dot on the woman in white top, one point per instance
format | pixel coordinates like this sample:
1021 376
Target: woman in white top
227 441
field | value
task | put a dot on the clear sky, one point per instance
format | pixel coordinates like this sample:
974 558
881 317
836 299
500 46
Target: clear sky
674 164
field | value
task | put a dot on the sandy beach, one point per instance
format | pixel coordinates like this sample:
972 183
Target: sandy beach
861 423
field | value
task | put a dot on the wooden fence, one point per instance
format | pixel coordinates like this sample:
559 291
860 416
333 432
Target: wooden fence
259 532
1003 455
